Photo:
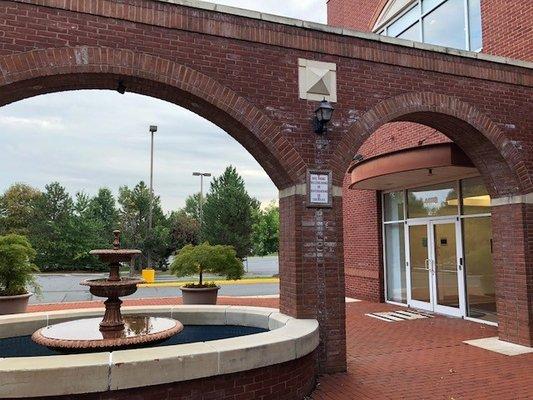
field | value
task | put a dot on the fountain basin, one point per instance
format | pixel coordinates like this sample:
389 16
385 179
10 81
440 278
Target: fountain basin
287 350
85 334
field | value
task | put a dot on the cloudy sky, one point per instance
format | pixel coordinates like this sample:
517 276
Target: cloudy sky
91 139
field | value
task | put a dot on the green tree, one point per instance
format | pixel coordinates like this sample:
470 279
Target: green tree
16 267
50 232
228 213
17 209
265 236
133 215
197 260
192 206
85 233
184 230
103 208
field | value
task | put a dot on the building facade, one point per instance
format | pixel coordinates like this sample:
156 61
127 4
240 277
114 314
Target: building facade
417 215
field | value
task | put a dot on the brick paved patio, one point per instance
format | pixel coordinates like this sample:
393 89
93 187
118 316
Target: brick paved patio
418 359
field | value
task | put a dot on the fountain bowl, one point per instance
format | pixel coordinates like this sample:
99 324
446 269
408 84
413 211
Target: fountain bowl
85 335
106 288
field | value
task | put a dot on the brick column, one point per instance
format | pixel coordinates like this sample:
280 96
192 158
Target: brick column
312 272
513 260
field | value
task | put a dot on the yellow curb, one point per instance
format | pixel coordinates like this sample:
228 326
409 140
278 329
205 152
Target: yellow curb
253 281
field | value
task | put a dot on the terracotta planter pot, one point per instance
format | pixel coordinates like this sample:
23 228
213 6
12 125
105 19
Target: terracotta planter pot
14 304
200 296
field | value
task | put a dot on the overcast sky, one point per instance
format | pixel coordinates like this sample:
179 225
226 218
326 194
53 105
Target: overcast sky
91 139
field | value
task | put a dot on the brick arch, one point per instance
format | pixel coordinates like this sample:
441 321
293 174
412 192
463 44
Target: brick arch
480 138
52 70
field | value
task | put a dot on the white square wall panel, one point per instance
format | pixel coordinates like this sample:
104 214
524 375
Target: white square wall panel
317 80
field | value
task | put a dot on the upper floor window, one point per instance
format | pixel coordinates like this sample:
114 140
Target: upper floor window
449 23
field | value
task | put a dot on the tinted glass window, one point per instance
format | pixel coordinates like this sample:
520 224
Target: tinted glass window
413 33
432 201
474 19
395 262
393 206
428 5
404 22
475 197
445 26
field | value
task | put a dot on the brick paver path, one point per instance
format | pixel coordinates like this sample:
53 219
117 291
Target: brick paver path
418 359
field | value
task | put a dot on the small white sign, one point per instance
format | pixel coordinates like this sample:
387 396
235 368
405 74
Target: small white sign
319 188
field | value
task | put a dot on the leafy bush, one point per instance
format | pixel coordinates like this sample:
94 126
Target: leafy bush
16 267
196 260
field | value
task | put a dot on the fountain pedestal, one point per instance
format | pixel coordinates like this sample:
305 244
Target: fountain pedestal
114 331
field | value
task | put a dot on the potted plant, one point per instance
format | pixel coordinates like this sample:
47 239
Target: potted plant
16 273
197 260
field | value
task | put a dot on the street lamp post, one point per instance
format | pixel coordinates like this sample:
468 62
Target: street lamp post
153 129
201 200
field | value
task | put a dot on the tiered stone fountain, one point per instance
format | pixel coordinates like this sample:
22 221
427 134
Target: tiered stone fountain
114 331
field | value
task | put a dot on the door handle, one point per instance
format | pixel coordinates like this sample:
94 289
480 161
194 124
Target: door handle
431 266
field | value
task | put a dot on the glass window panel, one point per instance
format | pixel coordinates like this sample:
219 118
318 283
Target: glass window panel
475 197
395 262
413 33
432 201
445 266
445 26
428 5
404 22
474 20
477 238
418 251
393 205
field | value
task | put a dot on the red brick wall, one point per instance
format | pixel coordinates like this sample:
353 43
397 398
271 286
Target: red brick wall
360 15
513 261
507 28
293 380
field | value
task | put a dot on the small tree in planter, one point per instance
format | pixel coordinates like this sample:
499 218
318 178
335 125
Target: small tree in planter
16 273
197 260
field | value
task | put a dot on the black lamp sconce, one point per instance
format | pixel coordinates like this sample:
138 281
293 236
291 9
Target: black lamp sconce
323 116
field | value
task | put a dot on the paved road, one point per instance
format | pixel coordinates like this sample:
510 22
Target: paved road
57 288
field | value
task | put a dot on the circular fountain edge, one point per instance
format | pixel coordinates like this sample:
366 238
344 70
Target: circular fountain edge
288 339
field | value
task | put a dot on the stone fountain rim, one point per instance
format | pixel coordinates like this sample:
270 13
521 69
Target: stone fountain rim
287 339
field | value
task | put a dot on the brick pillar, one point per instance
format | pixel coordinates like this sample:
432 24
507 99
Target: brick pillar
513 260
312 273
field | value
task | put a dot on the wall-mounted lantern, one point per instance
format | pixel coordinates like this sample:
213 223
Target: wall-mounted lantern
323 116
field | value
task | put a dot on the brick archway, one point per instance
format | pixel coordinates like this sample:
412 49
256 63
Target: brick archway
52 70
506 176
480 138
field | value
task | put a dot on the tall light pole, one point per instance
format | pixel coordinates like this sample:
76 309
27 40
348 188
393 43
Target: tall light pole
201 200
153 129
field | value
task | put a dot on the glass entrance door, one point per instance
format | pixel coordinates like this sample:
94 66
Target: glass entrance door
434 265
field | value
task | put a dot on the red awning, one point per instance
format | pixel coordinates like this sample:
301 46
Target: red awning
412 167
